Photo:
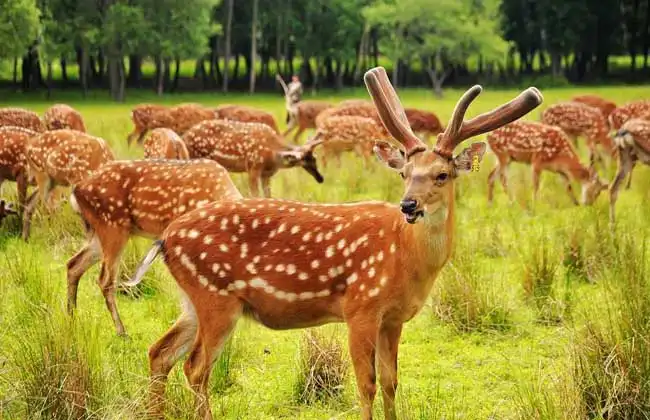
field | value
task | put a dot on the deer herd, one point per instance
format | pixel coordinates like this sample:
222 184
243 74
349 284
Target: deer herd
288 264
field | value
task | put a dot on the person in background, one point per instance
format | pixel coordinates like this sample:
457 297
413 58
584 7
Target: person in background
293 95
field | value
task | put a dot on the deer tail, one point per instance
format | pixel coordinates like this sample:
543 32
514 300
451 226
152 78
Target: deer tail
155 250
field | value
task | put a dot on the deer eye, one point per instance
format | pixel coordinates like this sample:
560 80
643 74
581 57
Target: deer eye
442 177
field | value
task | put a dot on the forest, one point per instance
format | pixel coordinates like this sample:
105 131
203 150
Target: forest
240 45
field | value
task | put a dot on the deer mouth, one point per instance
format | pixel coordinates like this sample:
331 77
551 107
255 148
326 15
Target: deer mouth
314 172
411 218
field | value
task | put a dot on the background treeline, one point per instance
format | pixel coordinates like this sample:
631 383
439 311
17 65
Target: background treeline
169 45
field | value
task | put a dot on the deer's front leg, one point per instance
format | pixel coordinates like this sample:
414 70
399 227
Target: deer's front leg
625 164
254 178
388 346
362 338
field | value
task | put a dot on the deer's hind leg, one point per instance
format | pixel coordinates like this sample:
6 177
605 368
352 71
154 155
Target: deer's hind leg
112 240
625 165
77 267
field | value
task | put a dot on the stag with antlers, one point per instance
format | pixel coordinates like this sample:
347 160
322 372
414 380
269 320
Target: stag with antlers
369 264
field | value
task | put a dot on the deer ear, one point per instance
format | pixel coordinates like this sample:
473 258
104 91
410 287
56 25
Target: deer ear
289 158
470 157
389 156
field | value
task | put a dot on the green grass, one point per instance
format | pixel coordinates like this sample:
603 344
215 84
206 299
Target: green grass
496 361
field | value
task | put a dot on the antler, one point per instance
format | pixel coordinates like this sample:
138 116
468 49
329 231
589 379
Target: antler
391 111
458 130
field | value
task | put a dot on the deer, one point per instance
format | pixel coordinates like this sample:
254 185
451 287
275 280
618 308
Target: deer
543 147
633 143
603 105
368 264
424 123
146 117
136 198
6 210
303 117
634 109
347 133
577 119
179 118
164 143
244 113
19 117
60 116
13 163
60 158
249 147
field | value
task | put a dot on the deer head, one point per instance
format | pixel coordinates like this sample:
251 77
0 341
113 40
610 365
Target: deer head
429 173
302 156
592 188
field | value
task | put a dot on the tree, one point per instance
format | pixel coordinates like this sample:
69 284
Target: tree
226 69
253 46
19 27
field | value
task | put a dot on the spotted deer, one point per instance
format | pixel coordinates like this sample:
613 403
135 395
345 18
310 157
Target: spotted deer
141 197
146 117
543 147
164 143
633 143
635 109
606 107
253 148
577 119
368 264
423 123
61 158
303 117
61 116
346 134
179 118
13 163
19 117
358 110
6 210
244 113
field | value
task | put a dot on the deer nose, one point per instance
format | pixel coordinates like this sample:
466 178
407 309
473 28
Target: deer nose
408 205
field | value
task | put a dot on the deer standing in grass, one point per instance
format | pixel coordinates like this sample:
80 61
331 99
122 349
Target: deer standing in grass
6 210
633 143
139 197
368 264
606 107
13 163
423 123
577 119
61 158
61 116
146 117
163 143
249 147
303 117
19 117
543 147
634 109
244 113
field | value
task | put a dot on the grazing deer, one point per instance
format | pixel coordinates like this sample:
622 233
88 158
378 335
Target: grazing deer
303 117
633 143
164 143
186 116
244 113
635 109
424 123
577 119
146 117
606 107
368 264
6 209
61 116
13 163
357 102
358 110
61 158
249 147
347 133
19 117
140 197
544 147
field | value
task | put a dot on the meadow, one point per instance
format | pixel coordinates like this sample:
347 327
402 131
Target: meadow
540 314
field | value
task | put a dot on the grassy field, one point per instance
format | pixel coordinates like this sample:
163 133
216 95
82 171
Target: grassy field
540 314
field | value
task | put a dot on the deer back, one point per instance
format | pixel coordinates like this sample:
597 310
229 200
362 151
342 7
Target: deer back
164 143
13 141
61 116
347 132
309 110
185 116
634 133
635 109
606 107
244 113
422 121
144 196
19 117
149 116
577 119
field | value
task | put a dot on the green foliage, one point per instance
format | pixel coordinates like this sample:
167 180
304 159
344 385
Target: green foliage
19 26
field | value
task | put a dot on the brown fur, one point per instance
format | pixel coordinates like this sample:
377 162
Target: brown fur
606 107
635 109
304 117
348 133
244 113
61 116
13 163
423 122
146 117
163 143
19 117
6 210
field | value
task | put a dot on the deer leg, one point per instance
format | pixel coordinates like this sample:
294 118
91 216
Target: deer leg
388 345
165 353
629 178
491 178
536 172
21 186
254 179
625 165
296 137
77 267
569 188
32 201
112 243
213 333
503 177
362 339
266 186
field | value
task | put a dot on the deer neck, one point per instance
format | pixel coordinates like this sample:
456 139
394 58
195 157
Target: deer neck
577 171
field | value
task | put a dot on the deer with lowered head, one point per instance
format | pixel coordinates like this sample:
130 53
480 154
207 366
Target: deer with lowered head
370 264
19 117
62 116
141 197
13 163
605 106
631 110
243 113
164 143
253 148
146 117
543 147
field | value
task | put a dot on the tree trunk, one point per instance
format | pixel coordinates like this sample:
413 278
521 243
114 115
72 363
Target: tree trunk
83 71
101 65
160 75
135 73
122 79
228 29
646 36
396 59
64 69
314 85
339 75
49 79
15 72
235 70
279 31
177 72
253 61
556 64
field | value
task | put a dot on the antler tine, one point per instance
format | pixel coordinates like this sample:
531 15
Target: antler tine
391 111
458 115
528 100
